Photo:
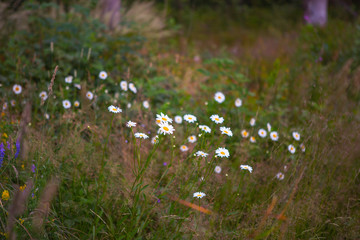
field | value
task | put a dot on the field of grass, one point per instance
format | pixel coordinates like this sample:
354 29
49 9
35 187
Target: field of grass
286 165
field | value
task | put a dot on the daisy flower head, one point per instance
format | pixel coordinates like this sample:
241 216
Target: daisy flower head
66 104
246 167
69 79
227 131
184 148
217 169
13 102
199 194
222 152
114 109
141 135
78 86
252 122
131 124
146 104
166 128
5 106
17 89
219 97
132 88
47 116
155 140
245 134
43 95
124 85
201 154
178 119
252 139
163 118
205 128
238 102
291 149
280 176
296 136
89 95
190 118
268 127
262 133
192 139
274 136
103 75
215 118
76 103
302 147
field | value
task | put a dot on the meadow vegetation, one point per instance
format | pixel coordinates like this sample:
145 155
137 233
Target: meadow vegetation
72 166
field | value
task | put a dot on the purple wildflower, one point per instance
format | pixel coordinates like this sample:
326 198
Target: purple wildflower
165 163
2 153
17 148
33 168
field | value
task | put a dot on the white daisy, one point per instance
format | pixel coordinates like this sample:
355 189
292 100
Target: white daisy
141 135
146 104
222 152
166 128
246 167
199 194
190 118
184 148
131 124
128 105
217 169
78 86
12 102
69 79
124 85
238 102
252 122
252 139
5 106
302 147
114 109
17 89
192 139
76 103
262 133
215 118
268 127
205 128
89 95
296 136
66 104
280 176
163 118
43 95
274 136
245 134
178 119
291 149
227 131
132 88
201 154
155 140
47 116
103 75
219 97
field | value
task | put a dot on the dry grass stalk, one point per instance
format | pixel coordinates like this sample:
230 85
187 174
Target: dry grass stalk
25 120
17 207
43 207
51 83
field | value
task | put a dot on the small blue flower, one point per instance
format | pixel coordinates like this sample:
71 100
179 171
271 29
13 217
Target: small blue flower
33 168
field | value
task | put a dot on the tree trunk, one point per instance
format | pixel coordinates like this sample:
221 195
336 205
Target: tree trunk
316 12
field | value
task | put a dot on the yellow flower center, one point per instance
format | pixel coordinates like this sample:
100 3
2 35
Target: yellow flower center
17 89
222 153
114 109
226 131
166 128
158 121
219 97
274 135
164 119
216 119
